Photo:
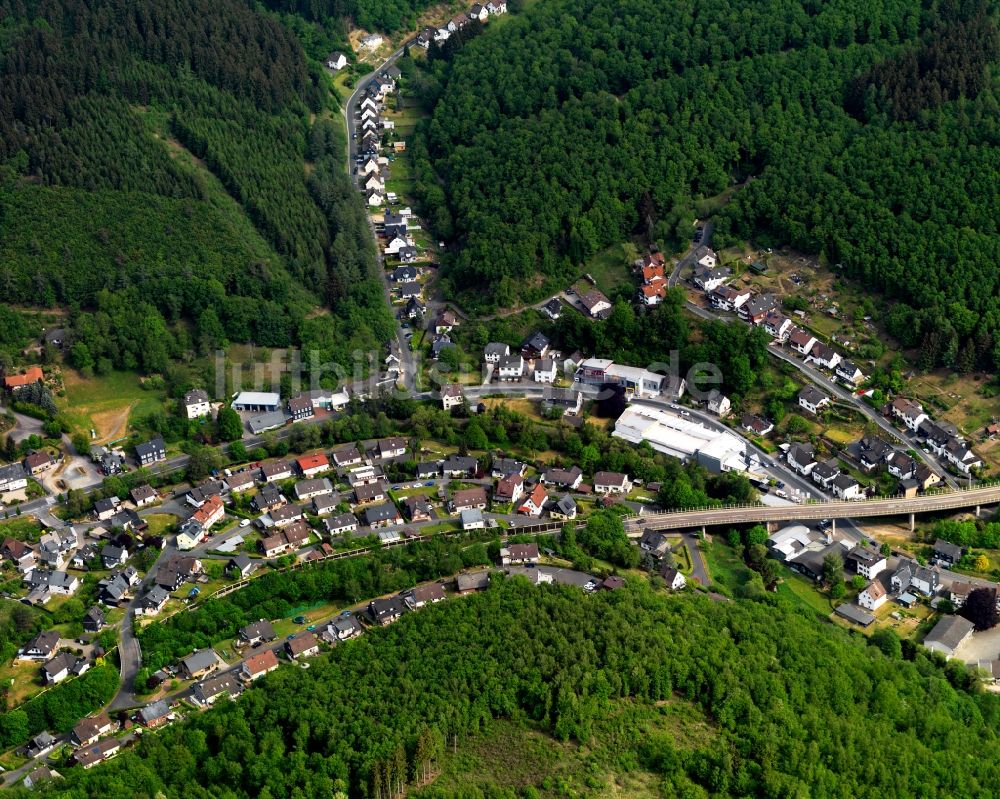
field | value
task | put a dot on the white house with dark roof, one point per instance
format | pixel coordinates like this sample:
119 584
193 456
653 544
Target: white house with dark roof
812 399
196 403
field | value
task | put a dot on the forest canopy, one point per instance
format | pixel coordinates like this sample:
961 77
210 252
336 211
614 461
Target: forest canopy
864 132
152 178
796 706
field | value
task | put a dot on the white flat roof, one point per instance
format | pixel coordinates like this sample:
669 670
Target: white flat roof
634 374
678 436
257 398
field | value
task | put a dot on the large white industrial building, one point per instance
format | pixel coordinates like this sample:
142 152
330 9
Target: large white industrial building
684 438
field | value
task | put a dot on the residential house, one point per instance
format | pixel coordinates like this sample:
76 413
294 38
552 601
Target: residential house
519 554
105 508
240 566
850 373
866 561
266 421
824 473
946 554
873 596
88 730
718 403
196 403
347 456
154 715
509 489
310 489
345 626
208 691
460 466
534 503
58 668
563 478
728 298
13 478
545 371
673 578
256 666
536 346
872 452
341 525
452 396
596 304
901 465
304 645
756 308
705 257
311 465
502 467
391 448
958 454
386 611
910 413
802 341
428 470
510 368
427 594
37 462
385 515
593 371
258 632
655 543
553 308
756 424
709 278
199 663
13 383
143 495
823 355
417 508
268 498
371 492
495 351
948 634
568 400
240 481
336 61
151 451
153 602
94 620
801 458
468 583
563 509
468 498
959 592
777 325
472 520
926 581
113 557
446 322
300 407
652 293
276 471
89 756
812 399
846 487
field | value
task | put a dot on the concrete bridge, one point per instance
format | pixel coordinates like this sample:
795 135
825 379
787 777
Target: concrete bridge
755 513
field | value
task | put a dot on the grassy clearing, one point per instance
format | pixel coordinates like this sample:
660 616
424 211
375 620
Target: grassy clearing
516 754
610 267
26 529
21 680
107 403
801 590
725 566
159 523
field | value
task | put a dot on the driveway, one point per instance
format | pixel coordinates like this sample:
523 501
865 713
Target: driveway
699 571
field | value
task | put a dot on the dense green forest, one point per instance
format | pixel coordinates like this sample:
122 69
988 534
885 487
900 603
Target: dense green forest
796 707
159 255
382 15
863 132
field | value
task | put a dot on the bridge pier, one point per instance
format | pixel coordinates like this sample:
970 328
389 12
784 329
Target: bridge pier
913 522
977 511
833 526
